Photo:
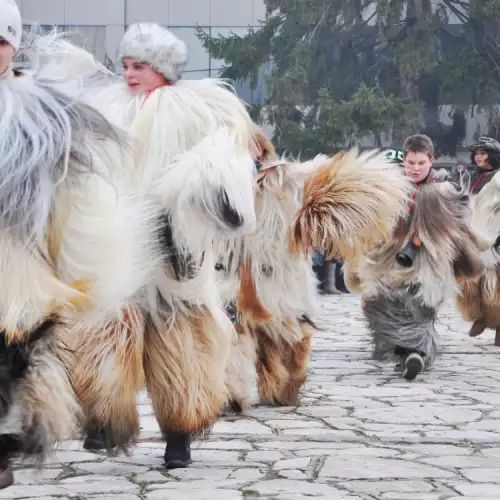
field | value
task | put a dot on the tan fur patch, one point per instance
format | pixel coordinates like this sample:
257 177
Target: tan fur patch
346 210
282 367
185 364
109 373
248 303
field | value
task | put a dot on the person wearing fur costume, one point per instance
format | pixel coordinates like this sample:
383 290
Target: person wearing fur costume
192 143
478 299
74 244
405 279
268 281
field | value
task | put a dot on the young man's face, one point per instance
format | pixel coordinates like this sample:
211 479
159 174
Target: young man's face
417 165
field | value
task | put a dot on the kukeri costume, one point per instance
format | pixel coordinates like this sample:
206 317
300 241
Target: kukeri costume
342 203
73 244
269 292
478 299
405 279
191 144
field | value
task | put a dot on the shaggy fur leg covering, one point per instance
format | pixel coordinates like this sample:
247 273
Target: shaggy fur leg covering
185 357
241 371
107 377
400 320
478 302
297 361
282 367
44 409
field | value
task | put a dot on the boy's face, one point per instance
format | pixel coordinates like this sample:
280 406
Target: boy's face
417 165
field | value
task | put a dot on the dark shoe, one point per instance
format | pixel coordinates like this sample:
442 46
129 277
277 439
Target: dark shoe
497 337
97 439
178 451
414 364
6 474
477 328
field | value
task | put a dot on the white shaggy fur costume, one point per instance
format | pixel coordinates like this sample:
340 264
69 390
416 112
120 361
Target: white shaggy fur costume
270 284
406 279
191 145
74 244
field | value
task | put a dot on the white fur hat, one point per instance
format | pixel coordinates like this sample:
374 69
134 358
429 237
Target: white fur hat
11 25
155 45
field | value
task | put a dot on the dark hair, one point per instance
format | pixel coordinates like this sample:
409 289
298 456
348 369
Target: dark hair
493 158
491 147
419 143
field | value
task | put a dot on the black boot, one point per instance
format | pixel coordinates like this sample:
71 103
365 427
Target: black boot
98 439
414 364
6 474
411 364
178 451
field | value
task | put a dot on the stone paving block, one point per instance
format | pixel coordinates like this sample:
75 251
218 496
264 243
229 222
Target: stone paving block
377 488
264 456
477 490
293 474
110 468
152 476
293 463
115 497
246 475
378 468
482 475
240 427
211 473
280 486
195 495
35 491
36 476
459 462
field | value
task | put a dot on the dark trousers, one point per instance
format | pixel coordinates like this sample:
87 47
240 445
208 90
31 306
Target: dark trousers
320 267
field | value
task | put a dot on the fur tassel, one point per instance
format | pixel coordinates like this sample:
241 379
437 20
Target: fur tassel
248 302
350 202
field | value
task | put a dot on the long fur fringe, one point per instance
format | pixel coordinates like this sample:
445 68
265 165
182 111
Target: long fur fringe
209 190
41 130
350 202
272 288
478 299
109 373
185 359
44 410
401 304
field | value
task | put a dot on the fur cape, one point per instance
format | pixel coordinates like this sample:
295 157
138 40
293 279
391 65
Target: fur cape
270 289
401 303
74 245
271 281
349 203
191 145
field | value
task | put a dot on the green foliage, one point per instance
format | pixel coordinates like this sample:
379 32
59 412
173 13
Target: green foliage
341 71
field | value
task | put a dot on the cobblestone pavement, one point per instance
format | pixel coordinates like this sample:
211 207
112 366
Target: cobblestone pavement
361 432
